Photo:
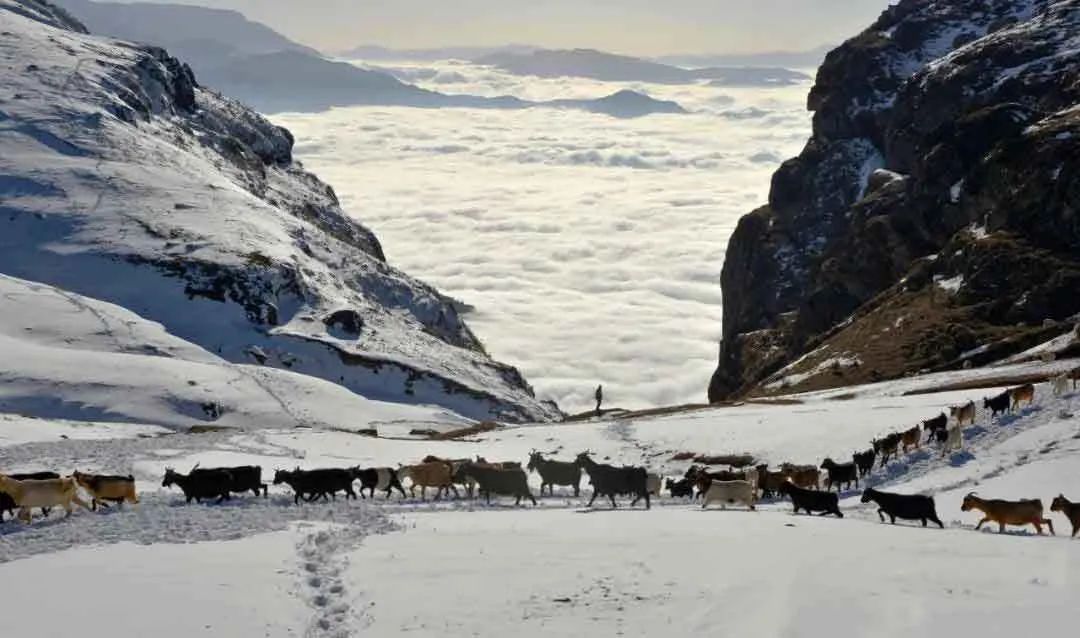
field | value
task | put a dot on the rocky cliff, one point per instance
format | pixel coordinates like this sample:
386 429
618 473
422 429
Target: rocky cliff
932 218
123 180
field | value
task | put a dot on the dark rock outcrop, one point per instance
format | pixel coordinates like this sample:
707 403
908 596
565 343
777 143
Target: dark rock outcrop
970 235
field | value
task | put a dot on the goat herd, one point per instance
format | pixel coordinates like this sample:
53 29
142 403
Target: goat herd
742 484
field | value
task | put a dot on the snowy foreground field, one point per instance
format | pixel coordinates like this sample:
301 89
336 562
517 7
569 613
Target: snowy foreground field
263 567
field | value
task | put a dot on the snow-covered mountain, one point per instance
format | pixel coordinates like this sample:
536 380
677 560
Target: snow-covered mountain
122 180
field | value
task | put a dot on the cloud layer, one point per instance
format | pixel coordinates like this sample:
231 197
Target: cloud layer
591 247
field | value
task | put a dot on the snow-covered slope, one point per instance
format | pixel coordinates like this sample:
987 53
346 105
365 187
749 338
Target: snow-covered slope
122 180
674 569
92 363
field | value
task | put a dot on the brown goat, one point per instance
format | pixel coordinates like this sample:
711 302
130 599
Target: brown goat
1024 512
438 474
964 412
804 476
1069 509
103 489
1025 392
911 438
769 482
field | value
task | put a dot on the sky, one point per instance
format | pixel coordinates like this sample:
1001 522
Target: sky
640 27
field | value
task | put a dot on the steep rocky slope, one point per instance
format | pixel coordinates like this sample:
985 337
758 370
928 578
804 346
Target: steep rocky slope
932 217
122 180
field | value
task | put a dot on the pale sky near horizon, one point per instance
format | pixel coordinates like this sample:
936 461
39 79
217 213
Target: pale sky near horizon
641 27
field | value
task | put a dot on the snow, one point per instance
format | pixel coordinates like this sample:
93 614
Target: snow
687 572
955 190
787 380
225 588
390 567
82 361
1057 344
950 284
195 218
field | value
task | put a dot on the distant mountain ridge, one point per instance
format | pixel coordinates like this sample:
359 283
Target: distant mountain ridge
255 64
377 52
809 59
610 67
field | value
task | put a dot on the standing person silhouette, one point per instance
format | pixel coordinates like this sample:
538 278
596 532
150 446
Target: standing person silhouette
599 398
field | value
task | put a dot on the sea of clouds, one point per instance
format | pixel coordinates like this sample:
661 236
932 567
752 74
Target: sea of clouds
590 246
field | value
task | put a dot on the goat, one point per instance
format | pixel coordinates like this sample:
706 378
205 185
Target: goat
805 476
378 478
1074 374
933 426
683 488
864 461
653 483
910 438
839 473
963 413
437 474
243 478
200 484
812 500
104 488
42 493
611 481
554 473
1022 393
725 492
913 507
1060 384
1024 512
1001 403
1069 509
311 484
886 447
954 440
703 478
769 482
499 465
7 504
491 480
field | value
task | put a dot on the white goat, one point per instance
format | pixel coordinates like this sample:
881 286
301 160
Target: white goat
1060 384
954 441
725 492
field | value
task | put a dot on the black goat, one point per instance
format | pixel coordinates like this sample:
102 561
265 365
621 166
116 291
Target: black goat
554 473
378 478
7 504
935 425
908 507
311 484
244 478
1001 403
864 461
491 480
201 484
812 500
683 488
839 473
611 481
888 446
